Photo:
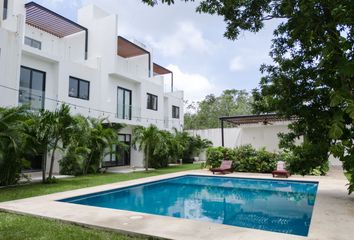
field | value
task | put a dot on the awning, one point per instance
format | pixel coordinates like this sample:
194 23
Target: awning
129 49
53 23
159 70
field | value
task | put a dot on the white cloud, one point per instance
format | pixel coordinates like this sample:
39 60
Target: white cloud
195 86
236 64
186 38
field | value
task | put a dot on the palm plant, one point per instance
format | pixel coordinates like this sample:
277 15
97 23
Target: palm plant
147 139
101 139
12 139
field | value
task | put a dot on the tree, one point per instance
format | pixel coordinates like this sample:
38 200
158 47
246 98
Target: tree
312 77
205 114
12 140
101 138
39 129
147 140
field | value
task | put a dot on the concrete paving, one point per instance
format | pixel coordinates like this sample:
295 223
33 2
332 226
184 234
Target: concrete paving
332 219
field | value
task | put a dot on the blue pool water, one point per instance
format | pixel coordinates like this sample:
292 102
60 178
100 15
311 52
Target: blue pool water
272 205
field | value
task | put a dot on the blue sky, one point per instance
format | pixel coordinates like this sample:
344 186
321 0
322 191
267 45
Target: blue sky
190 44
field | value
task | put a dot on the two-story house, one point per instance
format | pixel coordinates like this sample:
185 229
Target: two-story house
47 59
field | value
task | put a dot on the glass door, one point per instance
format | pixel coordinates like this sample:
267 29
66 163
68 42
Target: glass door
124 103
122 156
32 88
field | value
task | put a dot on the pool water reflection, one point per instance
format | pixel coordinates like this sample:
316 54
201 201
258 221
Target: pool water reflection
272 205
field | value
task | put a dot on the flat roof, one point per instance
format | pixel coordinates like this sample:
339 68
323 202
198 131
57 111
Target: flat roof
51 22
251 119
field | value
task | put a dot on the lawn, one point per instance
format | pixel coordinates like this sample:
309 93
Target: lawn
13 226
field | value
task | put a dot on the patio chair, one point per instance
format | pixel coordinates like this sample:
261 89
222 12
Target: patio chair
281 171
225 167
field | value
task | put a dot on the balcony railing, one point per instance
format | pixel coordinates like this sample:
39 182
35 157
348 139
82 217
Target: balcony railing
31 97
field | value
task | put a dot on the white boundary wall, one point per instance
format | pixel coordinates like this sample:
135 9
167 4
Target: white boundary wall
258 135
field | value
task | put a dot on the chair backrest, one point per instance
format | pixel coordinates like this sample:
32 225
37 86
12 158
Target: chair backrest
226 164
280 165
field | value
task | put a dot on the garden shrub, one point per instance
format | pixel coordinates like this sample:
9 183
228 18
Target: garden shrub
214 156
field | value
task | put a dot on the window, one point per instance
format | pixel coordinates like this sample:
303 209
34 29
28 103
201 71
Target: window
124 103
32 87
151 102
175 112
33 43
4 13
79 88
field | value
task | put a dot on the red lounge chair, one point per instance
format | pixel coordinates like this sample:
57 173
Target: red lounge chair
225 167
281 171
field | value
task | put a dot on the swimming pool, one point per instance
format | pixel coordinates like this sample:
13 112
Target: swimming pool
272 205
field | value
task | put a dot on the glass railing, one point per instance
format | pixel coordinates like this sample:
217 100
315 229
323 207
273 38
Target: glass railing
128 112
31 97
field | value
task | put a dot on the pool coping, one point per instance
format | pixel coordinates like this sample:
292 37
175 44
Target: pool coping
322 226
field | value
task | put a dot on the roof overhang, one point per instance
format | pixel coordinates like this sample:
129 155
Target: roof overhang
129 49
51 22
254 119
159 70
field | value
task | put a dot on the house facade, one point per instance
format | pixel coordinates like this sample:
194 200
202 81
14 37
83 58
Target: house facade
47 59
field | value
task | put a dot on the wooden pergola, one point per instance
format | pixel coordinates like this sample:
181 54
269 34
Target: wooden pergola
250 119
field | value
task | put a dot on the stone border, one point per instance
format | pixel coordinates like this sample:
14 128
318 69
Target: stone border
332 218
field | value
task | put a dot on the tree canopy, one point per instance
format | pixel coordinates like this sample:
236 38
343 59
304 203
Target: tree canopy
312 77
206 113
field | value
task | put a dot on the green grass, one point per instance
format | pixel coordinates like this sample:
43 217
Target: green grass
13 226
37 189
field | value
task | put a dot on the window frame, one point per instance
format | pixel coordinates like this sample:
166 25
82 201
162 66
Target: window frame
150 104
32 40
123 104
176 116
78 88
5 10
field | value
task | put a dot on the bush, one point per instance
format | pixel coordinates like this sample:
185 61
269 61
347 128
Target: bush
245 158
214 156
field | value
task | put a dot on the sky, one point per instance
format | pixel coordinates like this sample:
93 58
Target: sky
190 44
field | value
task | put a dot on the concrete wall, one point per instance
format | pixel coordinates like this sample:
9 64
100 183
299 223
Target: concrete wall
258 135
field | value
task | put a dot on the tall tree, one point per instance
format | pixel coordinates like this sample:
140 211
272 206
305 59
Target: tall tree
313 74
205 114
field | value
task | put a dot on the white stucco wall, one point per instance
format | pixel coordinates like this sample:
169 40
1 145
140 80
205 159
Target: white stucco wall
258 135
61 58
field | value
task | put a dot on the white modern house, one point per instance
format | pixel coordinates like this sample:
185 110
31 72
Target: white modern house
47 59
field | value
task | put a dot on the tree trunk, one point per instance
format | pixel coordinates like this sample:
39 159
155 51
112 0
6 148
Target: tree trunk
147 159
52 160
44 164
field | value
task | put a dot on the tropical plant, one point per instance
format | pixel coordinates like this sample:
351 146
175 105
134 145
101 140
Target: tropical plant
102 136
12 140
147 139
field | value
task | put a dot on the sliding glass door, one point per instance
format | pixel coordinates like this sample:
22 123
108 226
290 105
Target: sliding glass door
32 88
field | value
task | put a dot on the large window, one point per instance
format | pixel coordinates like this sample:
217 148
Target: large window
79 88
4 13
175 112
124 103
152 102
32 87
33 43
